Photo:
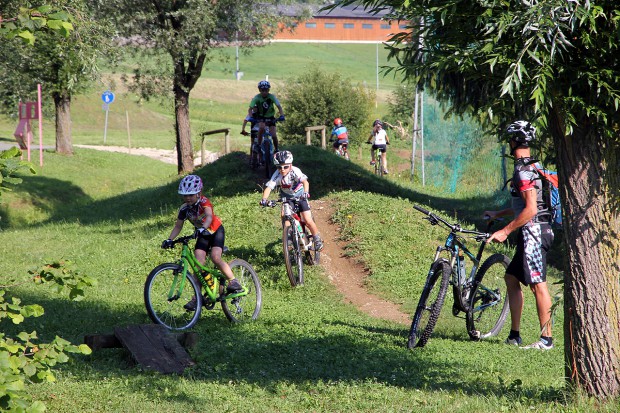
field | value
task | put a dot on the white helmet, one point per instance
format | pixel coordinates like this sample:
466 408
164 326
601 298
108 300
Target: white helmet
282 157
190 185
522 132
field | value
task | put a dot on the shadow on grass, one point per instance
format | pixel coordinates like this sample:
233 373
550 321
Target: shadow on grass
230 176
272 351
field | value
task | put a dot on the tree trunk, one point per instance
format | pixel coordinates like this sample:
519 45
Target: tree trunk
185 151
63 123
588 170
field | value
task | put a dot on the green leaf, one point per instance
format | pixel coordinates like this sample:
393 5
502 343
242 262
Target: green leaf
27 36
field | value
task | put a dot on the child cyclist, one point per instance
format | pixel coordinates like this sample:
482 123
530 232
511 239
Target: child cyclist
379 140
198 210
341 137
293 184
263 109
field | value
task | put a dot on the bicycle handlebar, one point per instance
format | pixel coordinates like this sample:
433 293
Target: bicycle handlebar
456 227
275 120
273 203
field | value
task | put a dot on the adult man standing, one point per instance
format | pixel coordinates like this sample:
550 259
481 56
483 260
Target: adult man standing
535 236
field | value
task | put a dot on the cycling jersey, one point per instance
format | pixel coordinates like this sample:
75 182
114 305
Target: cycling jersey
526 178
340 132
379 138
291 185
265 106
196 214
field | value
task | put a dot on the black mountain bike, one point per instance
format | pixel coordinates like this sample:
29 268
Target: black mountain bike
297 242
481 295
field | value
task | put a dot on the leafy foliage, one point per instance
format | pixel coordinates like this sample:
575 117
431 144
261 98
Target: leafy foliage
24 22
22 358
10 164
315 98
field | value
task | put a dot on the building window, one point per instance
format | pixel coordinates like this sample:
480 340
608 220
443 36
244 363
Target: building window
366 26
311 25
330 25
386 26
349 25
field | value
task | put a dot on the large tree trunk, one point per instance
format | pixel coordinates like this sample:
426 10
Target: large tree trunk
185 152
63 123
588 170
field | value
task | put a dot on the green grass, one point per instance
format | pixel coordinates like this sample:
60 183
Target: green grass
310 350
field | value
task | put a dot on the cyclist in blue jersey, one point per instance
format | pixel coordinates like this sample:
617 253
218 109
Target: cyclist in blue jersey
263 109
340 136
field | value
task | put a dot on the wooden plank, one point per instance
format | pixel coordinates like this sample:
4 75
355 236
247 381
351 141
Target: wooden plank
154 348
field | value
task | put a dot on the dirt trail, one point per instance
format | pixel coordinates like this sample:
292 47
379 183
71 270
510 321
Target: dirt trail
347 275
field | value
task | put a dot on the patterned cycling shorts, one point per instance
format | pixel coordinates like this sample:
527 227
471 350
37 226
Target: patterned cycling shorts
529 264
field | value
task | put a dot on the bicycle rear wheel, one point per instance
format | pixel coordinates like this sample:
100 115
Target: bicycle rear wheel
165 304
429 306
488 306
293 257
247 307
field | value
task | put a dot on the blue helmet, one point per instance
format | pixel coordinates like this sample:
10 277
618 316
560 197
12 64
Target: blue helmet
263 84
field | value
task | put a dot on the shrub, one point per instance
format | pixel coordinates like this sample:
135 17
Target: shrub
315 98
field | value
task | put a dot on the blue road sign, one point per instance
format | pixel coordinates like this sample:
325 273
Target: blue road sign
107 97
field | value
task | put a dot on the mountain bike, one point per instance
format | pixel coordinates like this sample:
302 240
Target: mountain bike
267 148
481 295
378 162
171 286
255 152
297 242
342 150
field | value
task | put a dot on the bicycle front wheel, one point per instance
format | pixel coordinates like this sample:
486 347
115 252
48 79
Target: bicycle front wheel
246 307
313 257
292 256
165 303
429 306
488 305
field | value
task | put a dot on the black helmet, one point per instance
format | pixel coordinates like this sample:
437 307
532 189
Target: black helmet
522 132
377 122
263 84
282 157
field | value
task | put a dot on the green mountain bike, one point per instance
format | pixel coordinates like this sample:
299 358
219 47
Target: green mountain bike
171 286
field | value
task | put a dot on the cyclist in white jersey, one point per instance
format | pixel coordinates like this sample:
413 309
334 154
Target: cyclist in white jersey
293 185
379 140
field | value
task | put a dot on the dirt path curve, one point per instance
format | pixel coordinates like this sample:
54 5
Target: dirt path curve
346 275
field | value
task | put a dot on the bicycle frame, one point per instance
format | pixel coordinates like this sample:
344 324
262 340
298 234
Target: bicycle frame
188 260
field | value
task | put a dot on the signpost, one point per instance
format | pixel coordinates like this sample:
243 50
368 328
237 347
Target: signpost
108 98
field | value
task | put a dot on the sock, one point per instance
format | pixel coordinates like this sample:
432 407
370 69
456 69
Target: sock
513 334
547 340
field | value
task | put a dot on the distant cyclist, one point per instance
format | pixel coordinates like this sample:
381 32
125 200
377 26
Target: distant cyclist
341 137
379 140
263 109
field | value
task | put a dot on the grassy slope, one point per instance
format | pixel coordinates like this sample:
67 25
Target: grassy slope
309 351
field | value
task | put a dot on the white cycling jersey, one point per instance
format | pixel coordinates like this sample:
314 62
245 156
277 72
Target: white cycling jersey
379 138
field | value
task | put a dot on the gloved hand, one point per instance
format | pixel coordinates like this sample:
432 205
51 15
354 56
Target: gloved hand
263 202
203 231
167 244
244 133
281 118
305 195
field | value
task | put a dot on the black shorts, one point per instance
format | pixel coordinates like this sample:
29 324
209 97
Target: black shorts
304 205
216 239
337 144
382 148
529 264
271 121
